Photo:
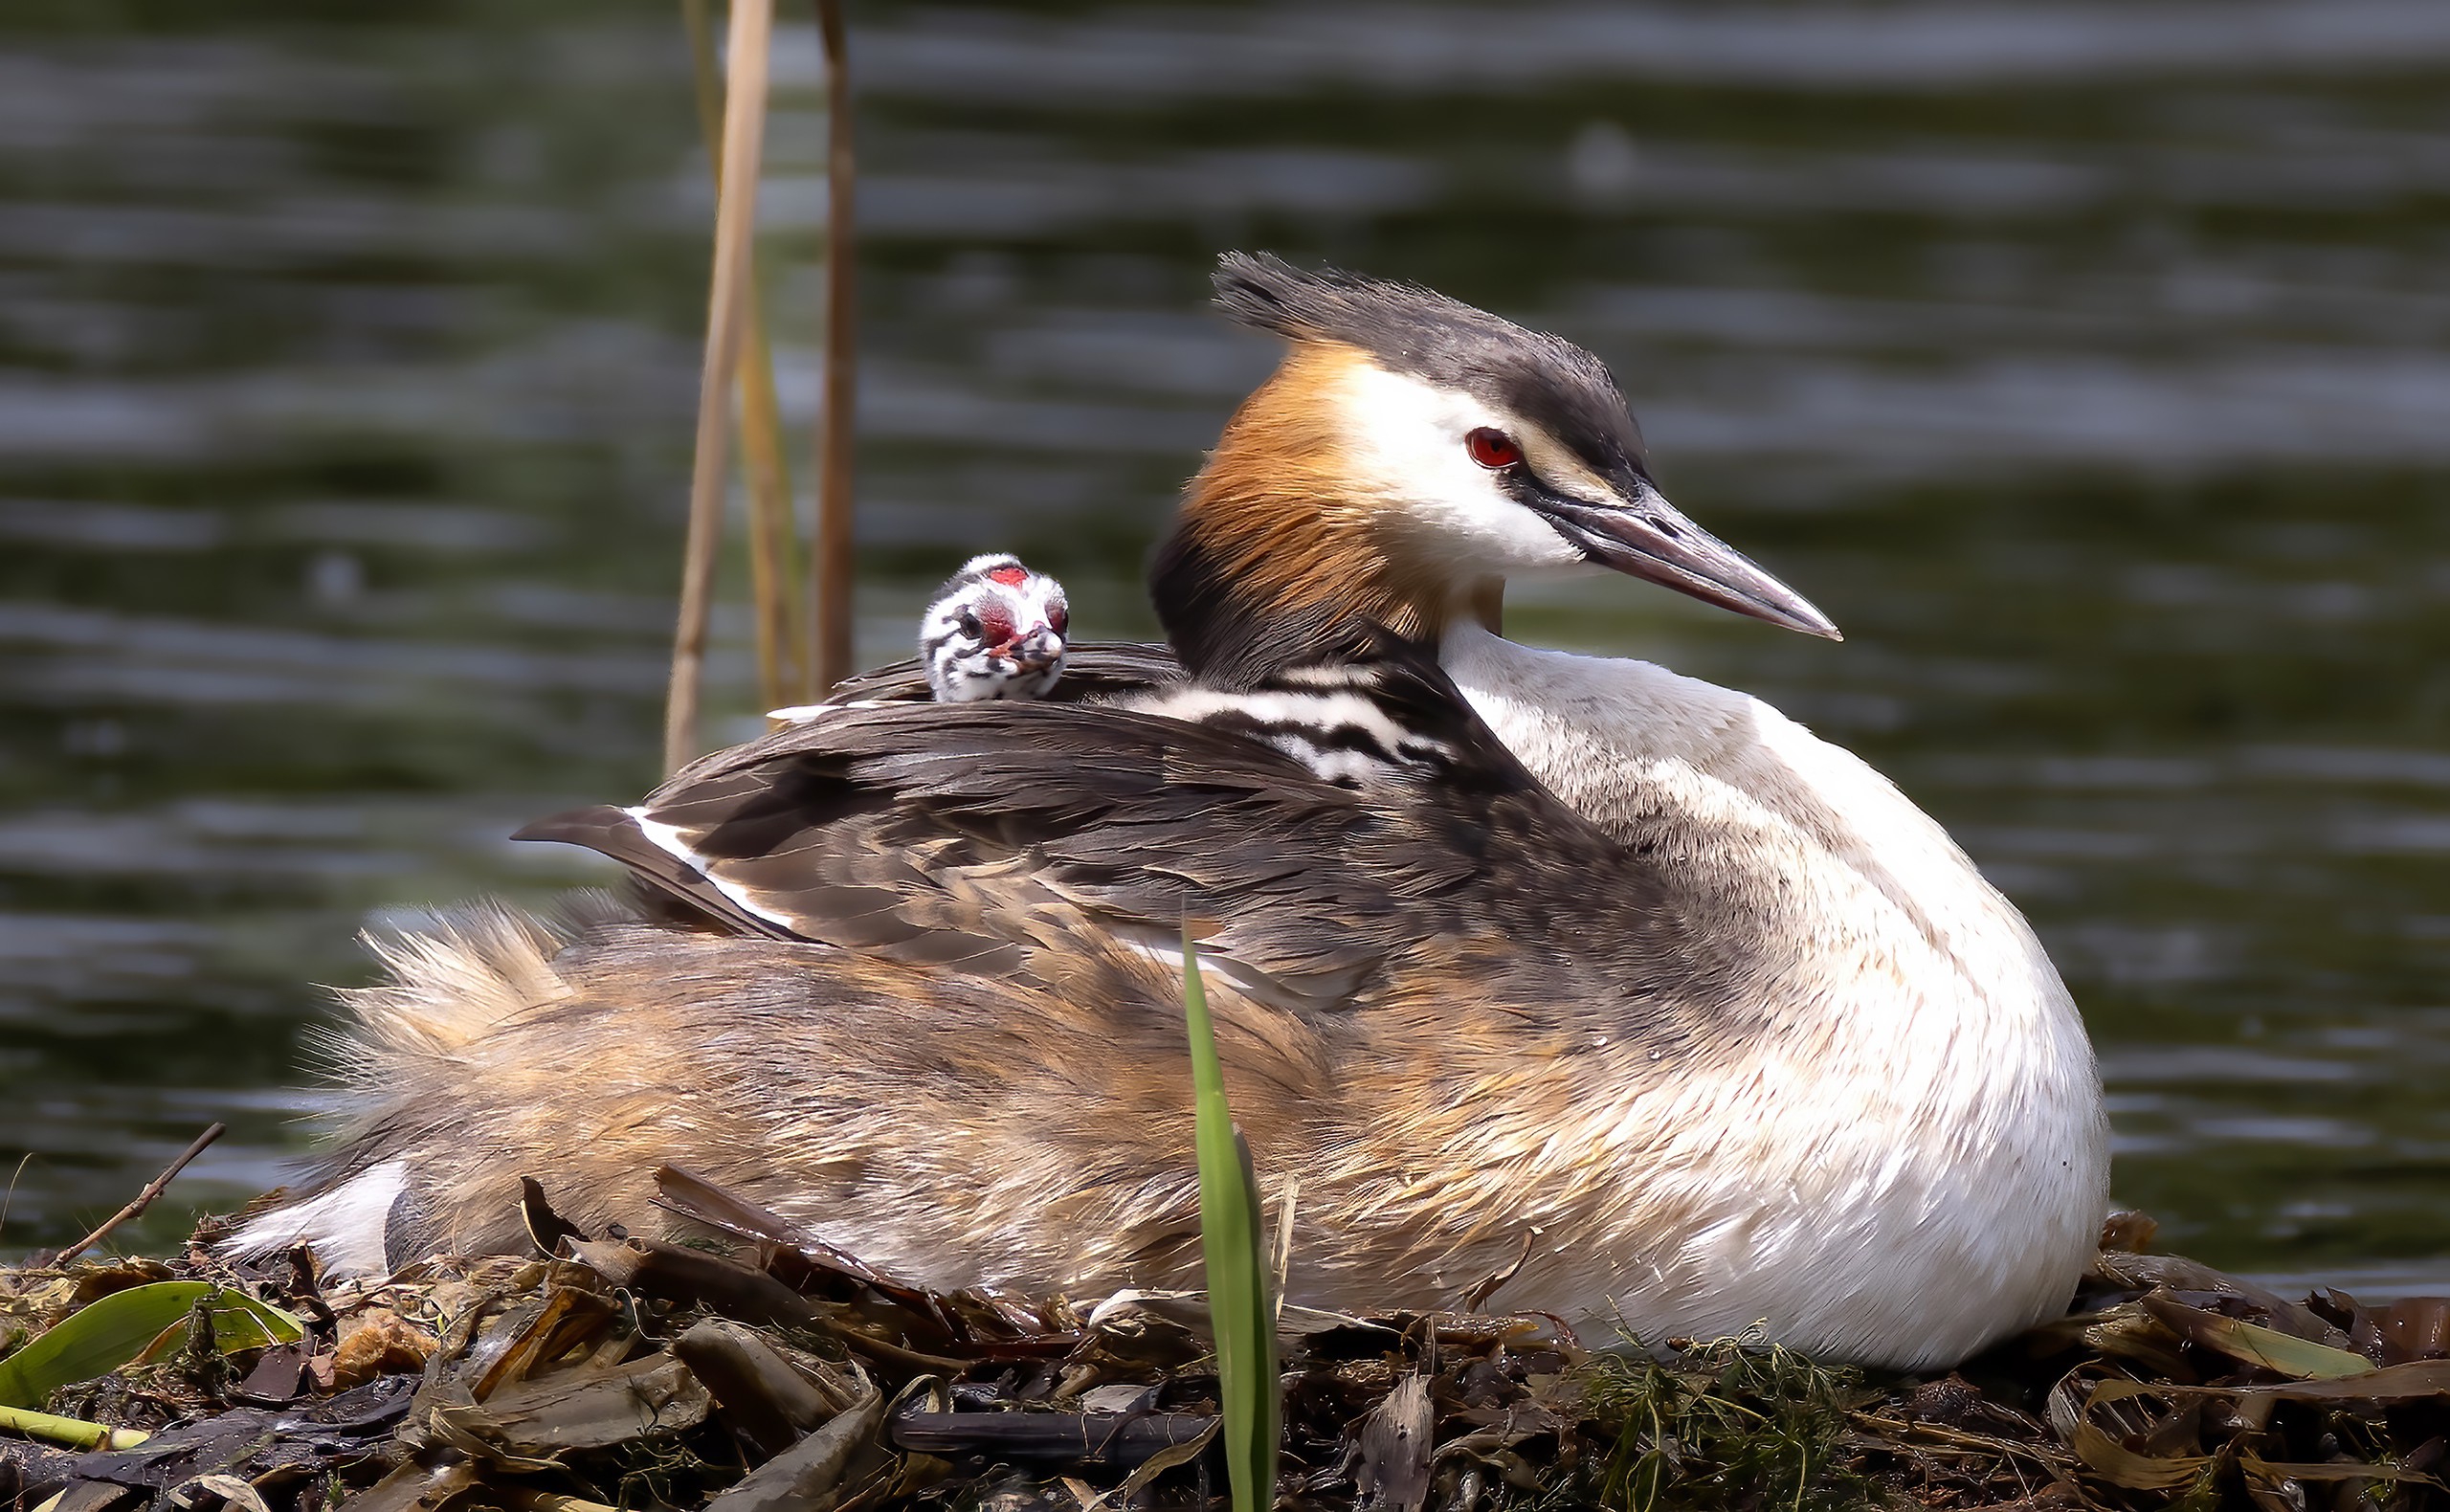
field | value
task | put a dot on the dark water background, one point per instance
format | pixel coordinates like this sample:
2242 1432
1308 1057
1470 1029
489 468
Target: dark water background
2089 363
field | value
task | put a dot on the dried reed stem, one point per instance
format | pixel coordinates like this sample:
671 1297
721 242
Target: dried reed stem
828 659
744 144
773 534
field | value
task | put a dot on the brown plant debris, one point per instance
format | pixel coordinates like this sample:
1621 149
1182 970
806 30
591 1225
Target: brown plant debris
752 1371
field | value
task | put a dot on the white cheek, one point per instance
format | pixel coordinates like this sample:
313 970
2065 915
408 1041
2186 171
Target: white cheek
1407 445
968 678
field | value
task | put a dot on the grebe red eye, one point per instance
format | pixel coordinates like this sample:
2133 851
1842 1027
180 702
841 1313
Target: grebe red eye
1493 448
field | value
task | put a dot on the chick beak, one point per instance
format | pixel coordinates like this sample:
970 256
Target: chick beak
1646 537
1042 648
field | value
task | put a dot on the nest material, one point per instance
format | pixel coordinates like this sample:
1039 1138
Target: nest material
757 1371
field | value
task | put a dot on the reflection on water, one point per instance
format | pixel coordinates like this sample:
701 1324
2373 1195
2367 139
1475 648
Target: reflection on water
2089 363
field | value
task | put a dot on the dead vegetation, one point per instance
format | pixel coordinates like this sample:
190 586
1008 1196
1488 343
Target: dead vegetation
755 1370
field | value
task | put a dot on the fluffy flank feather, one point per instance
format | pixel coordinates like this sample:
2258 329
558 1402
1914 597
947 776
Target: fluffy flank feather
449 984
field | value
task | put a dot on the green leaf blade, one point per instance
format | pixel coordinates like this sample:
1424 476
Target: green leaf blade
108 1333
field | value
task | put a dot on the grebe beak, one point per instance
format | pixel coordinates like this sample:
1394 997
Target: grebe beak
1648 537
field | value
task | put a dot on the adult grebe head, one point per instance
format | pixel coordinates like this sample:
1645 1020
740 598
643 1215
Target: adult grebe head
1411 454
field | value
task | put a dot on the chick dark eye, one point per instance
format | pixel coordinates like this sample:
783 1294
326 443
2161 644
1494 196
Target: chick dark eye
968 623
1493 448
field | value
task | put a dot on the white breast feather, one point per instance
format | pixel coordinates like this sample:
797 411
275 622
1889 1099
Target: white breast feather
1931 1099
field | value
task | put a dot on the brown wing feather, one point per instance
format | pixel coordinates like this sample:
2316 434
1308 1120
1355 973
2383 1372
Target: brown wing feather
969 836
973 837
611 831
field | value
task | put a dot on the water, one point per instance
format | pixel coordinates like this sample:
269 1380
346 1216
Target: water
2090 363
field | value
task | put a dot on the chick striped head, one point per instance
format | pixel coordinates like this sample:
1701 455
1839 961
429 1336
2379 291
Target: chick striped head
994 631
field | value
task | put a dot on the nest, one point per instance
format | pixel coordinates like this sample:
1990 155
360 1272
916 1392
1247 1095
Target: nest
755 1370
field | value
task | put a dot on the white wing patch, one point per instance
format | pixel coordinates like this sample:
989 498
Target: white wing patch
804 713
667 838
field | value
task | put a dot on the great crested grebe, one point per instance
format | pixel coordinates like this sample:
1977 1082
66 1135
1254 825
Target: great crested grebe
1744 1038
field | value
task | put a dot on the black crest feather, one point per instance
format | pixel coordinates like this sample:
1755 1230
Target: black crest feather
1409 329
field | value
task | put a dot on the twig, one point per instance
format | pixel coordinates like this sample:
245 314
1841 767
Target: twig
753 27
145 1198
528 1501
773 535
829 658
1899 1431
10 1200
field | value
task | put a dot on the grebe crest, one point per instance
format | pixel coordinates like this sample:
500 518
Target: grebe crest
994 631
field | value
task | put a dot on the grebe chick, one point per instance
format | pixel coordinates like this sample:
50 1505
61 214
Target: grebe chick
994 631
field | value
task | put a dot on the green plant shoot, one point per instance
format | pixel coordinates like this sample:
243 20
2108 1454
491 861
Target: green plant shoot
1234 1244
